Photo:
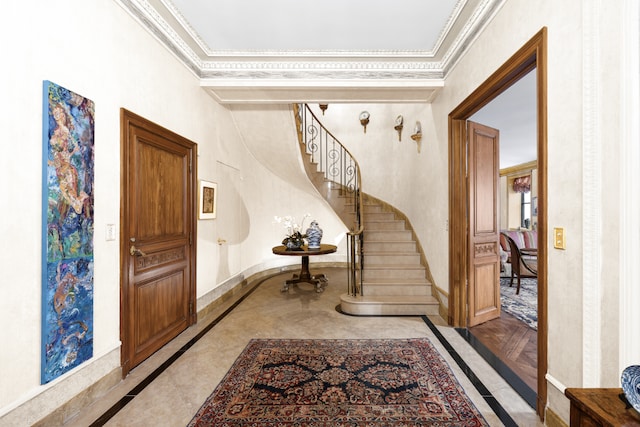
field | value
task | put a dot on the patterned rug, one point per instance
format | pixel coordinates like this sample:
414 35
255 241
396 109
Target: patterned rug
330 383
523 306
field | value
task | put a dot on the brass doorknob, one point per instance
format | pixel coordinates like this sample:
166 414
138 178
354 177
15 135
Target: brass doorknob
135 251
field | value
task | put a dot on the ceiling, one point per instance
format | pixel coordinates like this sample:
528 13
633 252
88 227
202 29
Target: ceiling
357 51
332 25
330 51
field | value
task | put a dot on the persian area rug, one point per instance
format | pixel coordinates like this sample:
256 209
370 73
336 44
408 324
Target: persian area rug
523 306
331 383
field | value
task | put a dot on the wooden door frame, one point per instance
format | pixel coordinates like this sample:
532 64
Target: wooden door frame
533 55
126 119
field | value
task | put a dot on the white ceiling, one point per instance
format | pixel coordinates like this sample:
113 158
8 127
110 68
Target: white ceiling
330 25
360 51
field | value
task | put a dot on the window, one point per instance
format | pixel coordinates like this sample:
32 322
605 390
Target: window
525 209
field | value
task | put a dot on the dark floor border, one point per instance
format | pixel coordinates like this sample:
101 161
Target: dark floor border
526 392
497 408
119 405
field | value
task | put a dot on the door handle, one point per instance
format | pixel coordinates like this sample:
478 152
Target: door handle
135 251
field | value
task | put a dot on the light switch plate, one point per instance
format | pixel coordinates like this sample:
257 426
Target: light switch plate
558 238
110 232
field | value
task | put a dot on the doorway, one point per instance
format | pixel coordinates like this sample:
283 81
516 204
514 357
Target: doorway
509 342
532 56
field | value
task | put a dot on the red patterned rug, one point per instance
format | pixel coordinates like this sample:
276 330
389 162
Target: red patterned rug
355 383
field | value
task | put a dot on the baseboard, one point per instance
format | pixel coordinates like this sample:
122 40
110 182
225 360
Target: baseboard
80 401
553 420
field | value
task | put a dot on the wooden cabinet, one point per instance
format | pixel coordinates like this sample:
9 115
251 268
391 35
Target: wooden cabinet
600 407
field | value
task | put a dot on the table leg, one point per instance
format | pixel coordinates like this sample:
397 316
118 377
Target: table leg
305 276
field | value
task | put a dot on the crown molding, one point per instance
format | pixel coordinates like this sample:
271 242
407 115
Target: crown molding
346 70
482 15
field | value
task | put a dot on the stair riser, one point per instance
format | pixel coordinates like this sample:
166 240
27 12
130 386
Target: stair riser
396 290
379 216
384 225
372 209
389 309
373 246
397 274
385 236
395 259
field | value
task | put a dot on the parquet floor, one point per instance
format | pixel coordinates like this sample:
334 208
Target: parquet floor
514 343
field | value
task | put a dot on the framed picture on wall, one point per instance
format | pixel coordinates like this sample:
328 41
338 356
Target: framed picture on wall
534 206
208 196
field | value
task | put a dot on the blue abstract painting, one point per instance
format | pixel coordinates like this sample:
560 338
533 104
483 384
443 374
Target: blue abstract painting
67 234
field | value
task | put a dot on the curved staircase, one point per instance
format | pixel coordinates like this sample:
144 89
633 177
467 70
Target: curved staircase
394 278
393 274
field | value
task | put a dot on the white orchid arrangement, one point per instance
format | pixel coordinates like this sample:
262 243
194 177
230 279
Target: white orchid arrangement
294 230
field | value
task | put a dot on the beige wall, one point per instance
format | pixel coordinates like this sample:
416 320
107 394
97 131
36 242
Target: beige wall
97 50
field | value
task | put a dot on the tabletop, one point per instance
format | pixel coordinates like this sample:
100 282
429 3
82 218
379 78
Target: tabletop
305 251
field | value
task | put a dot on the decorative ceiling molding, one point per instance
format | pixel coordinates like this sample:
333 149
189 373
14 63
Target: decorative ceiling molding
150 19
220 68
482 15
351 70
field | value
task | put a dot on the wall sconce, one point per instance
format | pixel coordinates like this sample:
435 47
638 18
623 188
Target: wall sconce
417 135
364 120
398 126
323 107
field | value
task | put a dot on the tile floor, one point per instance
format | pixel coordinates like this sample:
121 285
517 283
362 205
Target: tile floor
175 395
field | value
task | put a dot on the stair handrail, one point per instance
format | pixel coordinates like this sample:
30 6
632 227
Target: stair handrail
339 166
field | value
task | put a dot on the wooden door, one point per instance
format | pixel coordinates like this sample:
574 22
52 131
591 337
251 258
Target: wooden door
157 237
484 233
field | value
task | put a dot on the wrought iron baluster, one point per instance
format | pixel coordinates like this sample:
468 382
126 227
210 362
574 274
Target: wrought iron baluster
340 167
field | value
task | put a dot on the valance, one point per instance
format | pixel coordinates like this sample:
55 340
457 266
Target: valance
522 184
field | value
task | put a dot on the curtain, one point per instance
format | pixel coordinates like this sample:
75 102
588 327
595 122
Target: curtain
522 184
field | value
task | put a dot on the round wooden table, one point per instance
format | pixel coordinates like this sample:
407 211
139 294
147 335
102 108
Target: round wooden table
305 276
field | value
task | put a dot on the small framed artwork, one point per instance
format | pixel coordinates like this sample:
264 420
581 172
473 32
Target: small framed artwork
534 206
208 195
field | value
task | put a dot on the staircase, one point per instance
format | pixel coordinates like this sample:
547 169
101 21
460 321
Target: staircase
392 279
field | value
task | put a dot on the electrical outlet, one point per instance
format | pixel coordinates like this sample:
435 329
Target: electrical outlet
110 232
558 238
